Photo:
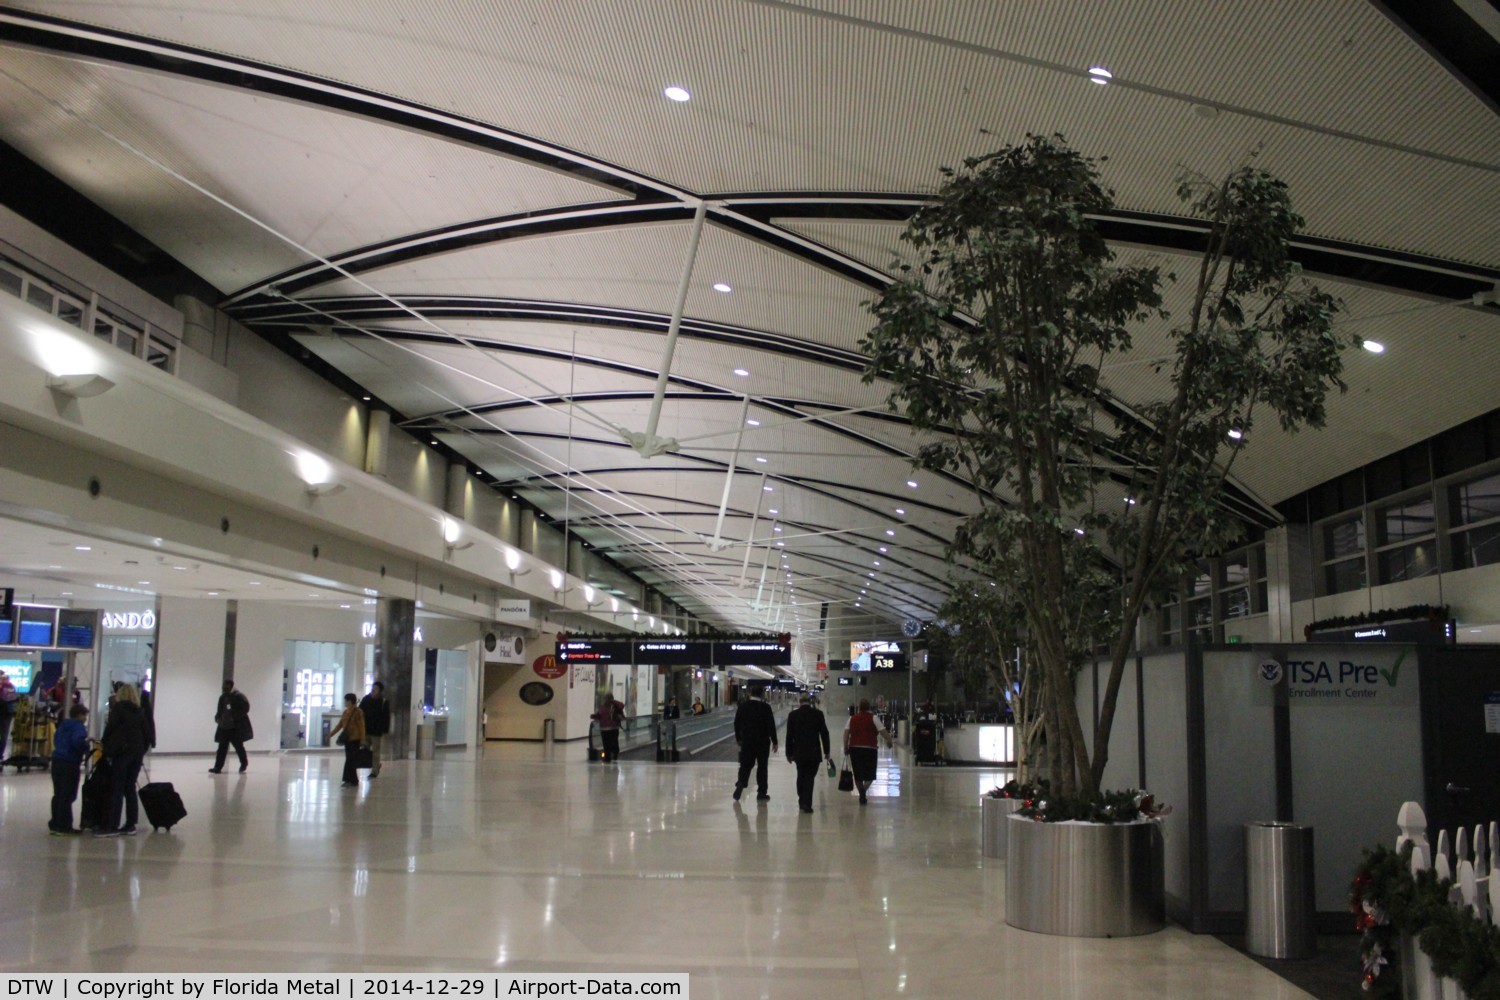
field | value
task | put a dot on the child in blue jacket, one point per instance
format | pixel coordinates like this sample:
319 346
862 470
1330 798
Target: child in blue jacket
69 746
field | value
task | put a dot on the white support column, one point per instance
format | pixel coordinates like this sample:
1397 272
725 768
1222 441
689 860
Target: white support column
647 443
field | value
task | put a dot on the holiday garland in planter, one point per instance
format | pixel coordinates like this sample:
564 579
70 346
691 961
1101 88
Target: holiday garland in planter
1389 901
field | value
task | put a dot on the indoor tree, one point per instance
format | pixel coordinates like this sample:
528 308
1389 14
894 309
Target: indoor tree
992 342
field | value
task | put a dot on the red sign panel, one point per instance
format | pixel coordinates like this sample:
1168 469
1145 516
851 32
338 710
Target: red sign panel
548 667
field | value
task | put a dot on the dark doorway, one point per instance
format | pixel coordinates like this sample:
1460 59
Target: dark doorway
1460 736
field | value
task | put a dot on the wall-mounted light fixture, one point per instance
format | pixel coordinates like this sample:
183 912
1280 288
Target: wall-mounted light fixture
79 386
453 532
316 473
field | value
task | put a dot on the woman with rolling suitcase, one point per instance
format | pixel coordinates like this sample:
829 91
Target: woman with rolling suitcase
124 742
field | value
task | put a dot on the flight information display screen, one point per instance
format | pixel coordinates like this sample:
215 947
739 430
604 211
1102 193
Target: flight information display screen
76 629
37 626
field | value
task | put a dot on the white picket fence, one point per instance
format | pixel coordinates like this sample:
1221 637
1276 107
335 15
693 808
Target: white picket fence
1470 860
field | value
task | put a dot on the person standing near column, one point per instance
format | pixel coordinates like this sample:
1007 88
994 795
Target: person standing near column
377 713
755 732
233 717
807 746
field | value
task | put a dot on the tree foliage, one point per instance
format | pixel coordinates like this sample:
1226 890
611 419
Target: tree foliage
993 343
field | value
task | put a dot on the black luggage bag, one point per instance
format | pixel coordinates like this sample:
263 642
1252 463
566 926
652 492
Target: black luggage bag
162 805
93 812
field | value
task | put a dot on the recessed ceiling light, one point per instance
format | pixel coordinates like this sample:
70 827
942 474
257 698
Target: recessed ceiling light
722 287
678 94
876 562
912 483
753 422
768 489
255 583
365 398
742 373
781 544
83 548
891 532
1373 346
775 511
1100 75
1130 501
882 548
901 511
344 607
213 593
760 458
144 583
1235 433
777 528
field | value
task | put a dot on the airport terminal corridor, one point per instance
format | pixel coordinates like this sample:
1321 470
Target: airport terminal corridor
534 860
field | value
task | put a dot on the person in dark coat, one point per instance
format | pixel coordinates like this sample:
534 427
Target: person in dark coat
124 743
807 746
233 717
377 713
755 732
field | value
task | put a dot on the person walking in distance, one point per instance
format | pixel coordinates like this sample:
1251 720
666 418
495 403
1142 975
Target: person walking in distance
755 732
609 717
377 713
352 725
233 717
807 746
862 738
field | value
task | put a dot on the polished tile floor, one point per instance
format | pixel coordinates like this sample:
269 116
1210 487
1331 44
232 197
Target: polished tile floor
517 862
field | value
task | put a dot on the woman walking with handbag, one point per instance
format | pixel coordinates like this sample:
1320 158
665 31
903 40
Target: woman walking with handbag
351 736
862 738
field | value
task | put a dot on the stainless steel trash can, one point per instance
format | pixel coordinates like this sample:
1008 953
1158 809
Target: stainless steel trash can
426 741
1280 903
549 732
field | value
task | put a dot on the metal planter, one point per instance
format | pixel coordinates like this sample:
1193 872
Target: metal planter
1085 879
994 829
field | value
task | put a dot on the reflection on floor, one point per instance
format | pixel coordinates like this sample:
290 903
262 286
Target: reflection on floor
516 862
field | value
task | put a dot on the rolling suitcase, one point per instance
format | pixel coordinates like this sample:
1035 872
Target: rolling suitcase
93 813
162 805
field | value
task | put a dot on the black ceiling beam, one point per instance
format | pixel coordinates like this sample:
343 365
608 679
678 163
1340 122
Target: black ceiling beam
1451 36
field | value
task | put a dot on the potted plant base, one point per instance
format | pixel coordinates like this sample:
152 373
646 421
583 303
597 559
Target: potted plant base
1080 879
994 827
